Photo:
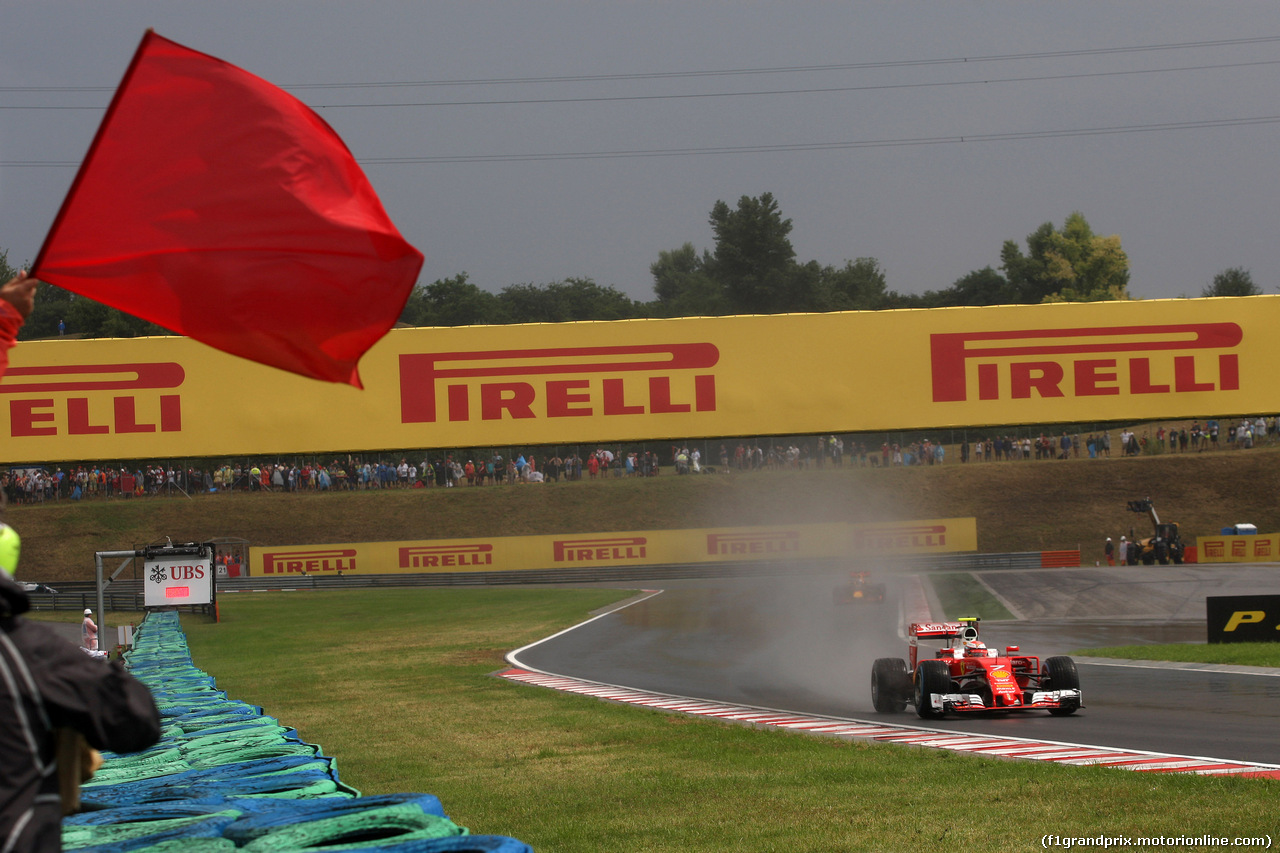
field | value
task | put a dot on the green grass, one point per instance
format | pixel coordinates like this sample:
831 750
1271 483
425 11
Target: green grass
961 594
1238 654
397 685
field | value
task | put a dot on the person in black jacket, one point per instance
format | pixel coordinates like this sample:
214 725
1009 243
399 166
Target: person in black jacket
48 683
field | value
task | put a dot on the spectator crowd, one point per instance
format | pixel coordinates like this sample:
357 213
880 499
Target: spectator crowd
456 469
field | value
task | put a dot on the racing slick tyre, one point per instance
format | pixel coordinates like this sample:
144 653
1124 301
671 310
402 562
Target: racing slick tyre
932 676
1062 676
890 685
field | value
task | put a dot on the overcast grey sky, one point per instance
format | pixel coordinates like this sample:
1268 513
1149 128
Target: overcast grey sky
864 77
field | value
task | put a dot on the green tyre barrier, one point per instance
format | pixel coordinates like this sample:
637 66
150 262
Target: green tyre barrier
137 814
242 770
133 773
189 845
373 829
248 752
119 837
293 786
253 826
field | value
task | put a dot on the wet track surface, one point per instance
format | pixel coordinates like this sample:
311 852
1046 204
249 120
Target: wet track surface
783 643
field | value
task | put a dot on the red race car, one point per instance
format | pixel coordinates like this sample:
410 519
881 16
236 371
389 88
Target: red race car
967 676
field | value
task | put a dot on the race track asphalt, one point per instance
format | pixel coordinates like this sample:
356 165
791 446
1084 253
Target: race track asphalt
784 643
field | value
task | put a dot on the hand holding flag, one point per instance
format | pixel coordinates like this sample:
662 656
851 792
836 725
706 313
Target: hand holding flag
219 206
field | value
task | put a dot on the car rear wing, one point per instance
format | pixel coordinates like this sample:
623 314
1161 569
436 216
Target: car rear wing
935 630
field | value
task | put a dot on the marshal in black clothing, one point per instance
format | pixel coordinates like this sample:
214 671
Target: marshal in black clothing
47 683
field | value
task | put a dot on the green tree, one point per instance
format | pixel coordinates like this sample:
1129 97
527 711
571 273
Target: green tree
857 286
754 259
6 272
685 287
571 299
1068 265
452 301
53 305
1236 281
981 287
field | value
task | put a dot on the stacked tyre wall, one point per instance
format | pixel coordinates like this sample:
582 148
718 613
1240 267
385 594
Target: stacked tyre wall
225 776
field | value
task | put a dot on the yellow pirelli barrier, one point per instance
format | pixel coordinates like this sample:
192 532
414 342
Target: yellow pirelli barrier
634 548
1260 548
481 386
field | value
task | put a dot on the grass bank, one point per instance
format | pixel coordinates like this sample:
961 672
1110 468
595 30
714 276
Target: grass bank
1019 506
1236 654
396 683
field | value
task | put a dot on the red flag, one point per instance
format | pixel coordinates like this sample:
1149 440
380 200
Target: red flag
219 206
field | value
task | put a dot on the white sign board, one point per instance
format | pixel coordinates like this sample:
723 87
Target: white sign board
178 580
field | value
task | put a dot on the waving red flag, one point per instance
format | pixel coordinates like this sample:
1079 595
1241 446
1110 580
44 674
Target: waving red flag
219 206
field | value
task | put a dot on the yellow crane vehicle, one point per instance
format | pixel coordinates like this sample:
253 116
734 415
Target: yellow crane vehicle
1164 547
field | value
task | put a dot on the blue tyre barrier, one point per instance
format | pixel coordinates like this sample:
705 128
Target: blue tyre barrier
124 836
371 829
190 845
254 826
137 814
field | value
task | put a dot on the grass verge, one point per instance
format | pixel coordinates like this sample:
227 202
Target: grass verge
1238 654
396 683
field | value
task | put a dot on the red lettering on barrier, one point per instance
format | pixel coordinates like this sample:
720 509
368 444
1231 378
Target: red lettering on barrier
952 352
38 416
595 550
891 538
783 542
289 562
445 556
422 373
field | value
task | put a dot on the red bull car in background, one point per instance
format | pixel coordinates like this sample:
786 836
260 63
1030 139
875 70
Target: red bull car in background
859 590
966 676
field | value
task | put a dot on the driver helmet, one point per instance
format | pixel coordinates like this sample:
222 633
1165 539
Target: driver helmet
974 644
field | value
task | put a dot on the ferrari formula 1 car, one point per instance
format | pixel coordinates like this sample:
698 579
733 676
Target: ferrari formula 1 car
859 590
967 676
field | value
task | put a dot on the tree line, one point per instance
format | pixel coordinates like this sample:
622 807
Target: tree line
751 269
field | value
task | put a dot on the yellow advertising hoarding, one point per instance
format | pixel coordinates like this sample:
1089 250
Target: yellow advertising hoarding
654 379
1261 548
633 548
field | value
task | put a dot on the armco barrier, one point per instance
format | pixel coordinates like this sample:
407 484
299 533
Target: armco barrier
224 776
128 593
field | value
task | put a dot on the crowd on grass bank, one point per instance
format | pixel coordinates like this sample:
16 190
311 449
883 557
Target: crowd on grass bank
1196 437
475 468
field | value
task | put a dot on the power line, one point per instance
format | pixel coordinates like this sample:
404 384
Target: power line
828 146
810 91
785 69
1009 136
754 93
